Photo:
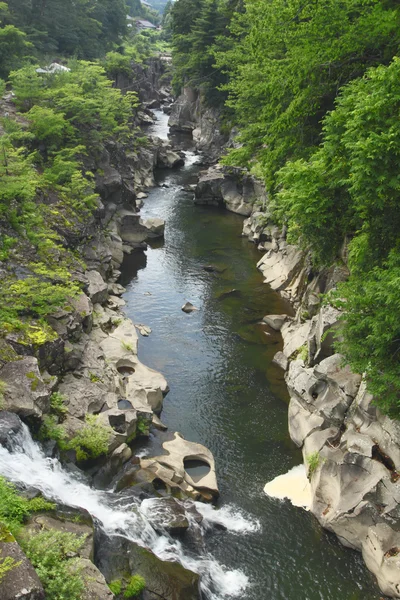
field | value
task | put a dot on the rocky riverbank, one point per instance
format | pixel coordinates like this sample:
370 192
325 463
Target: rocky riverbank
350 449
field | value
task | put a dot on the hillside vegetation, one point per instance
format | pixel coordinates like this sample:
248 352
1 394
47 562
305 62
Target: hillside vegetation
52 127
314 88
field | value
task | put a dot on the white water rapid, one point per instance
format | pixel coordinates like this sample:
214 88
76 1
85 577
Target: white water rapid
27 465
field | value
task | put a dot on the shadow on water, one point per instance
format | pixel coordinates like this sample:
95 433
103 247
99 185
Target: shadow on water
227 394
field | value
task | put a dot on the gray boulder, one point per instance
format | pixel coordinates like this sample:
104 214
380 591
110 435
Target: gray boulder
26 393
97 288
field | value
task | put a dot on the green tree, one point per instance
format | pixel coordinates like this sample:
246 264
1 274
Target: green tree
290 60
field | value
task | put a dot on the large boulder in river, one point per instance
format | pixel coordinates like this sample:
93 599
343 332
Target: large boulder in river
155 227
25 391
135 231
21 582
169 514
235 189
170 468
381 550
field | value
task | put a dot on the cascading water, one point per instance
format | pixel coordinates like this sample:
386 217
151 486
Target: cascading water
26 464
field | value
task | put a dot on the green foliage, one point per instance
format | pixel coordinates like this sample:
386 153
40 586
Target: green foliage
92 440
15 509
115 586
94 378
135 586
49 551
350 187
303 353
6 565
313 461
198 32
127 346
86 29
57 404
137 9
68 113
27 85
14 46
371 332
288 62
51 429
48 126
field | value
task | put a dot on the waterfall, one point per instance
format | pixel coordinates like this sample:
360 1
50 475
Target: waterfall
27 465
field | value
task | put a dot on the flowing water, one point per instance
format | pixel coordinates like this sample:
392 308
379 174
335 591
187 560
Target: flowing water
226 394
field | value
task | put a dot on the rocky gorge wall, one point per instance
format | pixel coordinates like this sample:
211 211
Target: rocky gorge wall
189 114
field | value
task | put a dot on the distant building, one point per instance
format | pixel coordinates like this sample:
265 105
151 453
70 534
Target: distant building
143 24
144 3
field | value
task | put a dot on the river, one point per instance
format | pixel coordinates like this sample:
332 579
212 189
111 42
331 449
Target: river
226 394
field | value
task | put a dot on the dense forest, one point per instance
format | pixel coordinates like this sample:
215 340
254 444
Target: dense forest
314 89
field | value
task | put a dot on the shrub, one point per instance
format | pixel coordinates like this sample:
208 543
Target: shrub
3 387
136 585
57 404
92 440
15 509
115 586
48 551
52 430
313 461
126 346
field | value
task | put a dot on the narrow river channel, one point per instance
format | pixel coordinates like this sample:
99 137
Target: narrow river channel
226 394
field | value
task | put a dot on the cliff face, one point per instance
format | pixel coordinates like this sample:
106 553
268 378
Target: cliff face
189 114
355 449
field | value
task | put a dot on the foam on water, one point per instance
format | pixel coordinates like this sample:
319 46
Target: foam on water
27 465
229 517
293 485
191 158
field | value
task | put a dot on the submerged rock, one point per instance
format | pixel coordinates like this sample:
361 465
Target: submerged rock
188 307
275 321
214 269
